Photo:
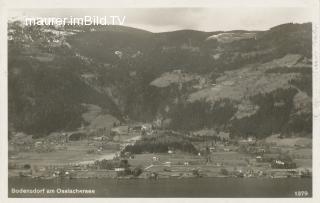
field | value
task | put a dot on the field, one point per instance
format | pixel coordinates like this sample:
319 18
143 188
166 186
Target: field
76 152
175 159
185 163
291 142
303 157
237 84
299 149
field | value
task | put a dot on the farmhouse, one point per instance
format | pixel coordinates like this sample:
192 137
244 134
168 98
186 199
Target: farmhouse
283 164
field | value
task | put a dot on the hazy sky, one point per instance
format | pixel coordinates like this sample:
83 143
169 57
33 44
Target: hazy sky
205 19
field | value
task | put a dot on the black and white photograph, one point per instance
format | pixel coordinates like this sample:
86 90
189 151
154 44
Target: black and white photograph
161 101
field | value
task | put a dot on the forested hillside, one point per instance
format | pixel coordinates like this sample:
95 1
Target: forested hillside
243 82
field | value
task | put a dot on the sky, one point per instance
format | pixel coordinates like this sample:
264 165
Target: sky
203 19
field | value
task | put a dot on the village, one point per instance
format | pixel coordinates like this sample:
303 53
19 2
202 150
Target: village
105 153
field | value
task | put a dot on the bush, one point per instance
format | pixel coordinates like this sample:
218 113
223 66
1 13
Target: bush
26 166
224 171
137 171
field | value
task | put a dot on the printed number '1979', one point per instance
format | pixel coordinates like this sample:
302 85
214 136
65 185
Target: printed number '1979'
301 193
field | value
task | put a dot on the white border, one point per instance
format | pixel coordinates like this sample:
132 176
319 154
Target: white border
154 3
4 6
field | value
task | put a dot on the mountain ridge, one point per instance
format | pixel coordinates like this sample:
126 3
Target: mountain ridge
114 69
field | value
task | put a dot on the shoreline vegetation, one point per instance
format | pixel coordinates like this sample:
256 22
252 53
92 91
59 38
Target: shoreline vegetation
172 175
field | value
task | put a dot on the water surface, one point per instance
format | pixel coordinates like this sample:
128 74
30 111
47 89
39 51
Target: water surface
192 187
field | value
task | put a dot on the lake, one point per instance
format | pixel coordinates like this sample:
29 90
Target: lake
191 187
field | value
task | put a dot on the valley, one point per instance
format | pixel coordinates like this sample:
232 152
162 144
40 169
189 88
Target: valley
120 102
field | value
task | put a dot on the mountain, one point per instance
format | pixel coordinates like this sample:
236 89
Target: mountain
244 82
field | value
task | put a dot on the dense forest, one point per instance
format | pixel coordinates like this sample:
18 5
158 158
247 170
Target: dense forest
161 144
